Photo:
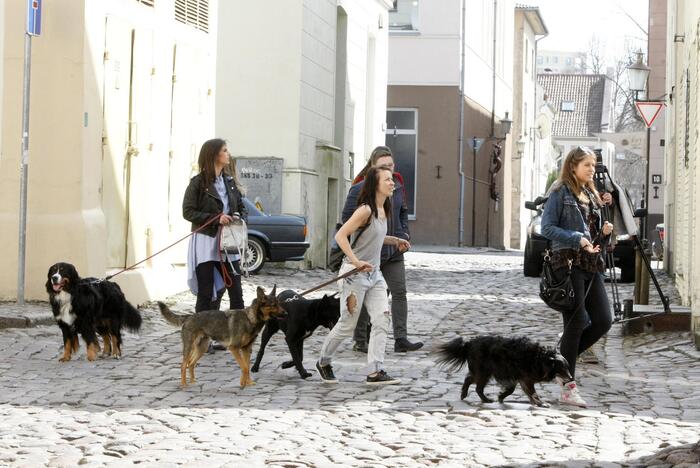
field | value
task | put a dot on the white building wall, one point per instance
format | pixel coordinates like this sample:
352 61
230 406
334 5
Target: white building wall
258 76
479 54
277 96
682 168
429 56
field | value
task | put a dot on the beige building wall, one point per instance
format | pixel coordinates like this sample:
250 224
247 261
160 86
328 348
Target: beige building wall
656 59
682 167
119 107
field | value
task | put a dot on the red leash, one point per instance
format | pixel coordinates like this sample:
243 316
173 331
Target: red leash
214 218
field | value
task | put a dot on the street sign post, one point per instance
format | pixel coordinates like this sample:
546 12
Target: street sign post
649 110
33 29
34 17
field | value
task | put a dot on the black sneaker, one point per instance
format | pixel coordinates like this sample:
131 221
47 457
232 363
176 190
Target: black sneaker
402 345
326 373
381 378
215 345
360 347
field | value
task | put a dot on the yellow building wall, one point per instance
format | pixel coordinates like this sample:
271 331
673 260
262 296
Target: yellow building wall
121 100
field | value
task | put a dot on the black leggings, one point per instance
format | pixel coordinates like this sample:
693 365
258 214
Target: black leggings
205 285
588 323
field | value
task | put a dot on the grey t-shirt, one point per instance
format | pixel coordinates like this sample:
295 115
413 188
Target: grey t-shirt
369 246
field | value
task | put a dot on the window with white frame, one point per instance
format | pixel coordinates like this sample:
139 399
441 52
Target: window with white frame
402 138
404 16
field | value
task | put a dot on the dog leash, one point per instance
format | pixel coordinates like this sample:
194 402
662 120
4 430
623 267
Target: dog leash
346 274
214 218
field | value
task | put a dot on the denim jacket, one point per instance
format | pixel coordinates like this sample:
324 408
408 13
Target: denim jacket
562 221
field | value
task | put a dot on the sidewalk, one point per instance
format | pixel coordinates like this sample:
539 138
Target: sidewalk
31 314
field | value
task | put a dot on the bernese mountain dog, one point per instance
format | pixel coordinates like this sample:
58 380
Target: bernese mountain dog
86 307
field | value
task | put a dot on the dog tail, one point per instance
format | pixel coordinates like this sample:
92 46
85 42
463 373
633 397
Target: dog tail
132 317
171 317
453 354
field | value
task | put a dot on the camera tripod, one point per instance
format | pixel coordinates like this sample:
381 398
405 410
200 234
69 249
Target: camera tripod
604 183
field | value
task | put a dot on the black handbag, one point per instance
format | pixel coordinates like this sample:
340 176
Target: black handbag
558 295
336 255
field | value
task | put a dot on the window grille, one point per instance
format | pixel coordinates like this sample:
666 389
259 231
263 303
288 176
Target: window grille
193 12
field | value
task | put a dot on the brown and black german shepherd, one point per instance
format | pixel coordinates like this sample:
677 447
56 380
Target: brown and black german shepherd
235 329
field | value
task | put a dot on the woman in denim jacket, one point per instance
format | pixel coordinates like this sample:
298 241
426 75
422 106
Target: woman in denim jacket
572 223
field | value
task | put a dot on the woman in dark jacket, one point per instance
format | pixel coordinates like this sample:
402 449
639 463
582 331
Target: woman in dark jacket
213 191
571 221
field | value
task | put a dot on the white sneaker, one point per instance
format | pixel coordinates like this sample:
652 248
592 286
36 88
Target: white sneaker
571 396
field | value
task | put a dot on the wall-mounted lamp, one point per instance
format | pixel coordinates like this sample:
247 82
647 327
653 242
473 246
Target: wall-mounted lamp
506 123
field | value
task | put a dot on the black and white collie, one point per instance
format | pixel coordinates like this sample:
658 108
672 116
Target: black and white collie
87 306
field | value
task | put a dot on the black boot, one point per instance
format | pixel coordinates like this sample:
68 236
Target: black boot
402 345
360 347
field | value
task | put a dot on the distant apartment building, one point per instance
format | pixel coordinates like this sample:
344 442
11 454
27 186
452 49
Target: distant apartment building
301 90
429 40
584 112
560 62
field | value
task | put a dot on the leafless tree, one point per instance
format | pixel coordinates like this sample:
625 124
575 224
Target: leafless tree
594 60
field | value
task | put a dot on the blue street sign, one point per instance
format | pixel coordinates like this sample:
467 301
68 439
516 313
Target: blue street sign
34 17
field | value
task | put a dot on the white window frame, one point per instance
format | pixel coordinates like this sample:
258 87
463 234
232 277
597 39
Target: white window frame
414 131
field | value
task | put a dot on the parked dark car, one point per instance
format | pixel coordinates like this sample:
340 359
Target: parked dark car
274 238
623 253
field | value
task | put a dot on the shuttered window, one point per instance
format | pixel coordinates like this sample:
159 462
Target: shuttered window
193 12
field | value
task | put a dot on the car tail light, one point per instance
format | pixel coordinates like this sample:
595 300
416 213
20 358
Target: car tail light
306 231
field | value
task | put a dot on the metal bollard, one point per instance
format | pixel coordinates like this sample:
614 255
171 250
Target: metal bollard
637 274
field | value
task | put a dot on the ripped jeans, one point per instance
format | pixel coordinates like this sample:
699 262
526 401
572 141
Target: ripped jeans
368 289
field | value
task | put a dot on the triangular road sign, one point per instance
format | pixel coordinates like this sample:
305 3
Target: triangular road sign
649 110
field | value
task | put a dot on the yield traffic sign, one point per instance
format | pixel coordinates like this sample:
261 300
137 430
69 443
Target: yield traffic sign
649 110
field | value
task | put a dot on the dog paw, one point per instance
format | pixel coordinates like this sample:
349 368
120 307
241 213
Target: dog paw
305 374
64 359
254 369
287 364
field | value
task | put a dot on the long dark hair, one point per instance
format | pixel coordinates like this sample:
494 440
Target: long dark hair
378 152
368 193
567 177
207 159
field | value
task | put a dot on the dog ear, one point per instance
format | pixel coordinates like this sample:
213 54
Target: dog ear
274 291
261 293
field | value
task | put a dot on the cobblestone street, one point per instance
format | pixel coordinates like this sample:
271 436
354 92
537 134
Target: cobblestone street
644 400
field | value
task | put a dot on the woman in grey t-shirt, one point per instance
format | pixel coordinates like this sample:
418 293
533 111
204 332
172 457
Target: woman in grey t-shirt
367 226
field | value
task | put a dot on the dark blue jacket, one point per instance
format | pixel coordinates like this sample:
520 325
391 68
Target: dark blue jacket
398 224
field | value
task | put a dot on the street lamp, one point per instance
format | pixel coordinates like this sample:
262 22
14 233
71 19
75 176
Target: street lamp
638 73
506 123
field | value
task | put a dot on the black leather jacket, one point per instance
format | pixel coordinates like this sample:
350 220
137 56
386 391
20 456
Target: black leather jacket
201 203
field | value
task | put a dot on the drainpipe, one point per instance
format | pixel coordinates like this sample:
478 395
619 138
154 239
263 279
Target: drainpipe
460 171
535 109
493 86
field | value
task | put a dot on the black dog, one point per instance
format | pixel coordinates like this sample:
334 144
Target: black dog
303 317
85 306
508 360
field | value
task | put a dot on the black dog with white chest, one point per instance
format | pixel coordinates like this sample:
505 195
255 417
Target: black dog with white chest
87 306
303 317
508 360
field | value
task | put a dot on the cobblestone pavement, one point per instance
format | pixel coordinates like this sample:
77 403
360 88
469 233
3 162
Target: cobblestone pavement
644 400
